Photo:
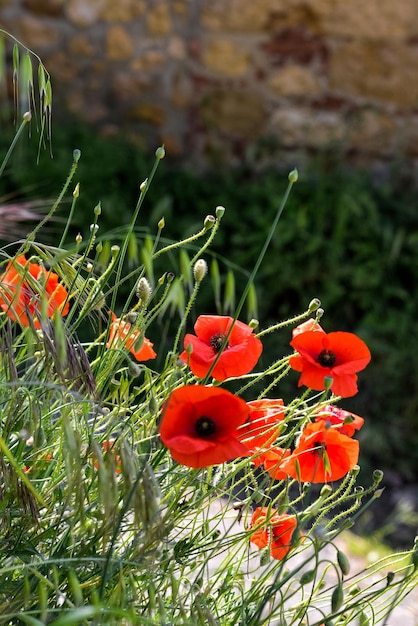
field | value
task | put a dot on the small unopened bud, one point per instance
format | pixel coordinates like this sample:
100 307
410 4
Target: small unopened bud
314 305
132 317
143 290
162 278
337 598
27 116
209 222
200 269
76 191
219 212
97 209
153 406
114 251
253 323
343 562
189 348
94 228
293 176
161 223
160 153
76 155
99 247
134 369
78 238
143 185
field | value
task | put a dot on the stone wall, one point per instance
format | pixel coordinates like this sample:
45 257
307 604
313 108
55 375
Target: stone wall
226 79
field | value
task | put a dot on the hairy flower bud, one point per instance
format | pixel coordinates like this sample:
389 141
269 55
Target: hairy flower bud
200 269
143 290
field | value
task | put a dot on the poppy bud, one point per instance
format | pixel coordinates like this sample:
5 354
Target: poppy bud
161 223
143 290
27 116
160 153
200 269
114 250
219 212
153 406
293 176
143 185
76 155
337 598
134 369
343 562
97 209
76 191
307 577
253 323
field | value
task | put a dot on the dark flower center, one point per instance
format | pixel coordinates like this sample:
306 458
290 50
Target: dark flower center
319 448
216 342
326 358
205 426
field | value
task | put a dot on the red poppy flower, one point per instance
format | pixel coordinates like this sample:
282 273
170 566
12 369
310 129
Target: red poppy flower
323 454
238 357
346 422
338 355
121 334
263 425
273 460
273 530
22 287
199 425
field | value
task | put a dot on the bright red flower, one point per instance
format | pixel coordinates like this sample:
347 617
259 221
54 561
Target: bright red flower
22 287
273 460
323 454
239 356
346 422
273 530
338 355
122 335
263 425
199 425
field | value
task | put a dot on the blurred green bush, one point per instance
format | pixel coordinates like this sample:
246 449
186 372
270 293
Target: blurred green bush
343 238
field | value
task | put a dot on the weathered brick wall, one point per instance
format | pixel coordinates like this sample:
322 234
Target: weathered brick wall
213 78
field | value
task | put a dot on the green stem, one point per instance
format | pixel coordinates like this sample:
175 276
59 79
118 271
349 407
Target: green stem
292 180
13 144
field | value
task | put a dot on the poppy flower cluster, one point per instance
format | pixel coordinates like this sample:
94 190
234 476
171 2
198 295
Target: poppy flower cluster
121 334
337 356
24 286
269 529
236 358
199 425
